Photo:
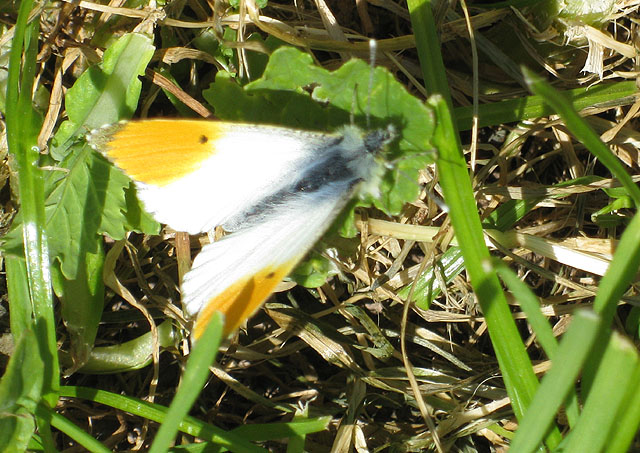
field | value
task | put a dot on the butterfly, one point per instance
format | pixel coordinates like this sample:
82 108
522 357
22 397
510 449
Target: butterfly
276 190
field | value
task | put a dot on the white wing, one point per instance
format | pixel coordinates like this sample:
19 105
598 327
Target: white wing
236 274
195 175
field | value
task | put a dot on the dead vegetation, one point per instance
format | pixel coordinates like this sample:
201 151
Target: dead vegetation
335 350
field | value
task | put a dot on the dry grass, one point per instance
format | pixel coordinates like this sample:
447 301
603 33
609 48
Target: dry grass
337 350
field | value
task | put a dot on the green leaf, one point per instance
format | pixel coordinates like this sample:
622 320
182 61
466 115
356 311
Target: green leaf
21 134
107 92
82 302
128 356
294 92
89 198
314 271
20 389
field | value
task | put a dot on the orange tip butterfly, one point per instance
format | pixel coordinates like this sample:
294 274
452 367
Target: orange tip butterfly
275 189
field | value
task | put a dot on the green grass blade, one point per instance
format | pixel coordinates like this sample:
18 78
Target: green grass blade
22 129
297 428
158 414
76 433
628 418
530 305
18 291
621 272
616 374
574 349
522 108
514 362
428 46
195 376
581 130
539 324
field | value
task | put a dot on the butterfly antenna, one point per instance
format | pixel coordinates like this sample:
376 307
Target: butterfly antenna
373 47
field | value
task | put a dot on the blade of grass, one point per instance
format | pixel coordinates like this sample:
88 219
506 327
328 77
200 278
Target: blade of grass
614 377
613 285
621 272
514 363
628 419
581 130
296 442
158 414
22 128
428 47
77 434
512 110
575 347
295 429
626 260
539 324
18 292
20 393
195 376
518 373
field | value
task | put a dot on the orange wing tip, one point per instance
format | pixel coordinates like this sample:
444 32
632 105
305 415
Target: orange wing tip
158 152
241 299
